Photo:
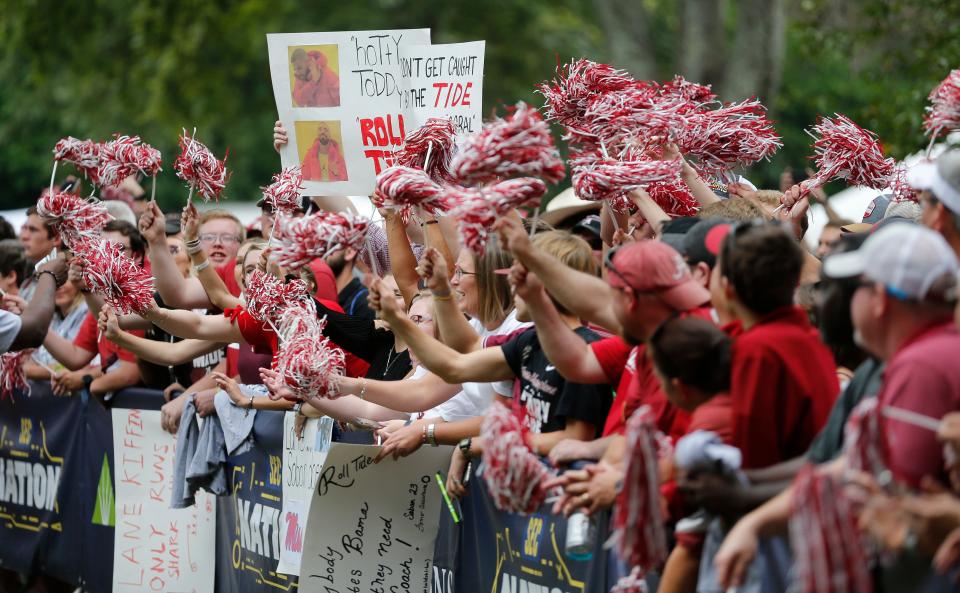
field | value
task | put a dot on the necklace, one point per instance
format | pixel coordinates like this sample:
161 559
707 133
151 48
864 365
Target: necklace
390 361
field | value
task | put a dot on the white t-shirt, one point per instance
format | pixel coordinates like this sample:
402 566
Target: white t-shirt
9 329
475 397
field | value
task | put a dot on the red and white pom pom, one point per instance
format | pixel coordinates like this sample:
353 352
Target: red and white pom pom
569 94
829 551
405 188
123 284
12 376
125 156
737 134
606 179
518 145
200 169
902 192
71 216
477 209
513 473
844 150
268 297
285 193
674 198
82 154
865 445
639 532
301 240
943 113
309 363
429 149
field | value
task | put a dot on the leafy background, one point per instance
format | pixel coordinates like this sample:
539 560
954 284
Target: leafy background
151 67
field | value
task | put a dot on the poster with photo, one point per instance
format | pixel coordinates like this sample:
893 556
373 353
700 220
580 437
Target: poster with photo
339 95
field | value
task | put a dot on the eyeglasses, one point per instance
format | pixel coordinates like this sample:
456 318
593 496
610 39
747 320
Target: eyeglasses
609 265
221 238
459 272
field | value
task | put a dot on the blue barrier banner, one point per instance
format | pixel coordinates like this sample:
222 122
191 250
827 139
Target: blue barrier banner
248 521
507 553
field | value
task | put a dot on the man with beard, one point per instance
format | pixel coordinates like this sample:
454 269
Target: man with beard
351 293
315 85
324 161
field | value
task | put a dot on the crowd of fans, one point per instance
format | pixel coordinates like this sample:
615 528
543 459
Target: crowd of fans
751 351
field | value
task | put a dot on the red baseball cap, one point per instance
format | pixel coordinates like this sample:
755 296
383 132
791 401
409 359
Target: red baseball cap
655 267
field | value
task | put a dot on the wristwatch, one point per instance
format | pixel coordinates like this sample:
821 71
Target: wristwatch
87 381
464 446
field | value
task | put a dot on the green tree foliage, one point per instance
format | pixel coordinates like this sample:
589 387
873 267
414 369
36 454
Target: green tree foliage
93 68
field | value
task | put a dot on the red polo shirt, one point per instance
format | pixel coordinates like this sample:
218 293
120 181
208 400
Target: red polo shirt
632 371
109 352
782 387
922 377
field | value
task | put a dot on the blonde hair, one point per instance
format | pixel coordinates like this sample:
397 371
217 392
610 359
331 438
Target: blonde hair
570 249
738 209
219 213
494 300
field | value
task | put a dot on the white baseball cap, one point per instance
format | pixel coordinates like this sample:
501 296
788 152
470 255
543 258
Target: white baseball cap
911 261
941 178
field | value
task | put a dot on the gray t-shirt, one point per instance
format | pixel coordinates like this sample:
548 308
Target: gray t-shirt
9 328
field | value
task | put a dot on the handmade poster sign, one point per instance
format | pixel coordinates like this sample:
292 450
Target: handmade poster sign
339 96
303 459
443 81
156 548
372 526
349 99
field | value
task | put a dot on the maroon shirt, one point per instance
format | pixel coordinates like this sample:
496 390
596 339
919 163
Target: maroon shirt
782 387
923 377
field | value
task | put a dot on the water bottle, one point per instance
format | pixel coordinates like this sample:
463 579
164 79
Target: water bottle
581 534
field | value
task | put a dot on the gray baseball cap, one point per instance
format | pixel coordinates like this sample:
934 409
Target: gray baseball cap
941 178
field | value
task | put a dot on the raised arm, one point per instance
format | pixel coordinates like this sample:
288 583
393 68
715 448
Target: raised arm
35 319
174 289
408 395
454 329
650 210
162 353
565 284
212 283
187 324
66 352
402 261
484 365
573 357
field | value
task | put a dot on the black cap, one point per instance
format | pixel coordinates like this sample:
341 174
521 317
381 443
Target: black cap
700 244
590 224
673 231
172 223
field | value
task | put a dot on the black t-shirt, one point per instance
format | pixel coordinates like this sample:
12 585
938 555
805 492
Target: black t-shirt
550 399
159 377
353 300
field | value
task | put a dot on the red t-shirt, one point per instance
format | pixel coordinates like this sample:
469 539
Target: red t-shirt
921 377
783 384
108 351
637 385
715 415
263 339
226 274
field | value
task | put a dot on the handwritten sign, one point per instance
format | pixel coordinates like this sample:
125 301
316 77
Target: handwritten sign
156 548
443 81
303 459
339 96
372 526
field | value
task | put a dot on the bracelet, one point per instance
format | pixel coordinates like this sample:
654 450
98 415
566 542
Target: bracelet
251 402
193 247
423 436
201 266
442 297
52 275
432 435
434 221
296 407
363 388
